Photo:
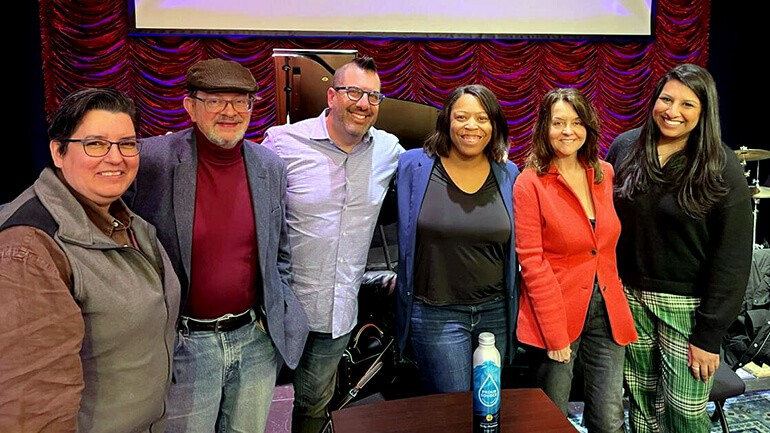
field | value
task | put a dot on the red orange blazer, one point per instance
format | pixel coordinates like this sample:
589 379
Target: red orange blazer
560 254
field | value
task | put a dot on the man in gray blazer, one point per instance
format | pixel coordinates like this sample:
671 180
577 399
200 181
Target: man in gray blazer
218 202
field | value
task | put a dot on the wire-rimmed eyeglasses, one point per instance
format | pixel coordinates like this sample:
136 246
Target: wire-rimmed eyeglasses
98 147
356 93
215 105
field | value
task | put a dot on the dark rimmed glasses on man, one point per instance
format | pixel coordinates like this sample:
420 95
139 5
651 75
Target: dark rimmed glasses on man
215 105
97 147
356 93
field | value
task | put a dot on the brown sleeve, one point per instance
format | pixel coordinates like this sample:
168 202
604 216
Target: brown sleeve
41 376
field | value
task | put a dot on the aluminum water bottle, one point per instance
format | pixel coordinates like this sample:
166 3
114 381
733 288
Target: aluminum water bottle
486 385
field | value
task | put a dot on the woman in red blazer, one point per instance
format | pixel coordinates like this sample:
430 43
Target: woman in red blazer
572 300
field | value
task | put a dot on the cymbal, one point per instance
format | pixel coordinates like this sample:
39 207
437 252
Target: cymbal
759 191
752 154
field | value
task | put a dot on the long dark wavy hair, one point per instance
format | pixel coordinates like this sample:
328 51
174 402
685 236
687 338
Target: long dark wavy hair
439 142
696 172
541 154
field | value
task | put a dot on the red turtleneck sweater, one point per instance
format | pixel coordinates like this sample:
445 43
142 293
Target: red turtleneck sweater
225 264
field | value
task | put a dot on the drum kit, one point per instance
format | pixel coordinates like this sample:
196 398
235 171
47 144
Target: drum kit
757 191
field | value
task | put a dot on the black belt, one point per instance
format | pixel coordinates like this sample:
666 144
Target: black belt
228 322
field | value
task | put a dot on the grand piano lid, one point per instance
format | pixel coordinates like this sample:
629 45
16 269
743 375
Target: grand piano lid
302 77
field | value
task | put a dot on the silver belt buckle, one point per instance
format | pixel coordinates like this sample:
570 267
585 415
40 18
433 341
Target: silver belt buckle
222 319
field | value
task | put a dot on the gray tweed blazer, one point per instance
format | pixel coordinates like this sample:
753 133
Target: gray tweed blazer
164 194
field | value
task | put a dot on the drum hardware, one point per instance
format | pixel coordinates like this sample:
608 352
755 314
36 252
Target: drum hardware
746 171
755 212
757 192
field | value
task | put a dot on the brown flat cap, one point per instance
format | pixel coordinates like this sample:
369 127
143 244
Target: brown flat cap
218 75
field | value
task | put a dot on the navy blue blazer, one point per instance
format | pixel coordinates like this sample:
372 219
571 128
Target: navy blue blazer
164 194
412 176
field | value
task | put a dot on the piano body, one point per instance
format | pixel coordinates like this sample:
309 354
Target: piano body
303 75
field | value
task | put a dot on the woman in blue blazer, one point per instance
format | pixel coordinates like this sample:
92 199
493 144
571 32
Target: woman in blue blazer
457 262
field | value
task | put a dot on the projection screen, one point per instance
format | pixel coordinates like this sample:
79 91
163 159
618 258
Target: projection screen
394 18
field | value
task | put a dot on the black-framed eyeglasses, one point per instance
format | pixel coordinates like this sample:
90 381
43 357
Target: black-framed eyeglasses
215 105
356 93
98 147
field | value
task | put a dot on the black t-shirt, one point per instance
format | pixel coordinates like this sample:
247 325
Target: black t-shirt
461 242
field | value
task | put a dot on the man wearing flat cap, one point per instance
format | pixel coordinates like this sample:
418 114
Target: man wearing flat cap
217 201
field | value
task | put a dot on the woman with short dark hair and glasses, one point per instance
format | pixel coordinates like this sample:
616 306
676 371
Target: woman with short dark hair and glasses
88 297
457 264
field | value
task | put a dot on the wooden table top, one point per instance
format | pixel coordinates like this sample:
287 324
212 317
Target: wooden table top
524 410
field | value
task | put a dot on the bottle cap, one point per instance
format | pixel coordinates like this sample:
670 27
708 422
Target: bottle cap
486 338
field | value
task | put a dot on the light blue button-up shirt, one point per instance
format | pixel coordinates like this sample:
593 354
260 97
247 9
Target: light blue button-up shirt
332 203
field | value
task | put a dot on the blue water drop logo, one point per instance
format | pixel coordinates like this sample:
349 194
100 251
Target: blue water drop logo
489 392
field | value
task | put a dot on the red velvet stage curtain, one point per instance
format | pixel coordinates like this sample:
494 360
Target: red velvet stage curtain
87 43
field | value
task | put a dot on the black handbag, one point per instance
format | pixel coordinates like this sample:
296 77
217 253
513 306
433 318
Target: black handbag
369 352
368 346
372 341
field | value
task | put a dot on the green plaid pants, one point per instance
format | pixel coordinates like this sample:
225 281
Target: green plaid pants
663 395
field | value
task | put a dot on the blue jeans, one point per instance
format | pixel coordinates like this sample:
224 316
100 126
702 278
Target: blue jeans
444 338
223 381
314 380
602 361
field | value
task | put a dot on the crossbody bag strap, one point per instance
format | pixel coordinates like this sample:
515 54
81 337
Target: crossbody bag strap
385 250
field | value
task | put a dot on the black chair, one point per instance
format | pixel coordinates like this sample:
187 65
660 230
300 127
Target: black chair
727 384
